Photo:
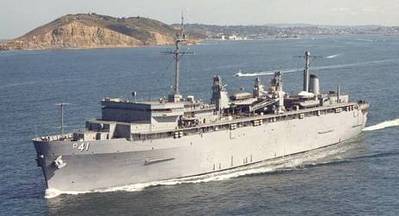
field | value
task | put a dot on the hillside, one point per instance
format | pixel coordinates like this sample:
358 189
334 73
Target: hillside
94 31
281 31
99 31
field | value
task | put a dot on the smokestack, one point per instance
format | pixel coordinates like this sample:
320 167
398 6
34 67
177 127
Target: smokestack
306 72
314 84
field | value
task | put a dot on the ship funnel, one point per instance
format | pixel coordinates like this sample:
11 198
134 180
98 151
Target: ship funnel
219 94
314 84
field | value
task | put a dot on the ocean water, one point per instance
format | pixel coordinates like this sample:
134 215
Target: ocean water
360 177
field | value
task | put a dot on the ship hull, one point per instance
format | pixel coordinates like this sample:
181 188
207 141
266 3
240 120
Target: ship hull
95 165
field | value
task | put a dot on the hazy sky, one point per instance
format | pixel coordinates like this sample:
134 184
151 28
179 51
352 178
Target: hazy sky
19 16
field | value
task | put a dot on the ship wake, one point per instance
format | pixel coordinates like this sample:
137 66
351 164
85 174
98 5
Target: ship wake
327 67
333 56
382 125
324 156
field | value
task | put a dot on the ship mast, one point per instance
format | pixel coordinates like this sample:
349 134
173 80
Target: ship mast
179 38
62 105
175 95
306 72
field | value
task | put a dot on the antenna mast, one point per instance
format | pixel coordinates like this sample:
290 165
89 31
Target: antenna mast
177 53
306 72
179 38
62 105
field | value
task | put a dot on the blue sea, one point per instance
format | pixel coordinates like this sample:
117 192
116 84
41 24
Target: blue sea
360 177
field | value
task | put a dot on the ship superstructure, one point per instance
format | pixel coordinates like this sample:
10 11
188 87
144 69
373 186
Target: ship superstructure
175 137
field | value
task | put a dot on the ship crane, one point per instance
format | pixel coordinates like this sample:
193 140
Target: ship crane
263 104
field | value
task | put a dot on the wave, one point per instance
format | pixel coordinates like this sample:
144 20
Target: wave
365 40
382 125
377 155
283 164
327 67
333 56
39 82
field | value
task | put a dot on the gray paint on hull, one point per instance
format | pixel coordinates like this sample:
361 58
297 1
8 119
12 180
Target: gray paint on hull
120 162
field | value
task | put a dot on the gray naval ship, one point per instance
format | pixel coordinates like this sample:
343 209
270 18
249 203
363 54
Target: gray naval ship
176 137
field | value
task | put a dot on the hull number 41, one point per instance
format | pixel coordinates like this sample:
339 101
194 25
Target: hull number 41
81 146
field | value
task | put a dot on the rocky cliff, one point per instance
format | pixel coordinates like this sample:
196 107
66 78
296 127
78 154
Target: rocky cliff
94 31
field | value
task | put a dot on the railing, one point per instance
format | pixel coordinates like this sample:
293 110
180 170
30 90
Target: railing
54 137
